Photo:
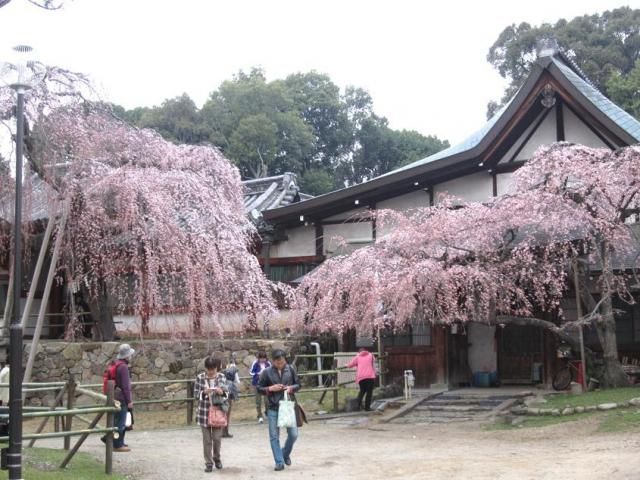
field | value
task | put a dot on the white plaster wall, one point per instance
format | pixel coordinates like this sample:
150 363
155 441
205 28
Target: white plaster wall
180 323
301 242
416 199
507 157
348 215
577 132
482 351
477 187
504 181
401 203
544 135
354 233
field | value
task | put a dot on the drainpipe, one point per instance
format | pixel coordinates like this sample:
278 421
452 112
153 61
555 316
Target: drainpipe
316 345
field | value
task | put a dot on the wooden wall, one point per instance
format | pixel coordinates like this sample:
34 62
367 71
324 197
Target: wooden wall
427 362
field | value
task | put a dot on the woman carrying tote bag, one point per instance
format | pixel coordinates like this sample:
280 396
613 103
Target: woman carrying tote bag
211 392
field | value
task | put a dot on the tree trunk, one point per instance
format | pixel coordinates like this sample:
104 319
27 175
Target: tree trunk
100 307
613 375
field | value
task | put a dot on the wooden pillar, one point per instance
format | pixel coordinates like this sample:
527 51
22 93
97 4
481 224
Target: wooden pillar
319 239
108 451
266 256
36 273
559 120
190 403
71 396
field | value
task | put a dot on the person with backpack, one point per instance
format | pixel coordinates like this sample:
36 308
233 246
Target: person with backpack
257 367
232 376
118 371
274 381
211 391
364 364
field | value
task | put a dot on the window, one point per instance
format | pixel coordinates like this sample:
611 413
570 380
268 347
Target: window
289 273
418 334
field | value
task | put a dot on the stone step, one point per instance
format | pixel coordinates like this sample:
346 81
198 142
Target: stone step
476 397
445 414
423 420
454 408
439 401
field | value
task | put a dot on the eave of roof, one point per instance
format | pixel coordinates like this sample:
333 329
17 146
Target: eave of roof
610 115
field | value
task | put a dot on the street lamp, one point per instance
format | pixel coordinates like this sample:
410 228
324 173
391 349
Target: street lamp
19 75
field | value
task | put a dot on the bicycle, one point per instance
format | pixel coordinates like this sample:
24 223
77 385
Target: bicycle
567 374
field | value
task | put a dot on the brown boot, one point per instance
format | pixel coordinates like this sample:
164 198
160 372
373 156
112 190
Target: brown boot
122 449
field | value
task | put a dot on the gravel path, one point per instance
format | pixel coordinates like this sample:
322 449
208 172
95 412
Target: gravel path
362 449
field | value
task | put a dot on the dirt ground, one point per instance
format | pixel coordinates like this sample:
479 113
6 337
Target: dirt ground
365 449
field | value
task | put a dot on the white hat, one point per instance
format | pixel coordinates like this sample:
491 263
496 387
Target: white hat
125 351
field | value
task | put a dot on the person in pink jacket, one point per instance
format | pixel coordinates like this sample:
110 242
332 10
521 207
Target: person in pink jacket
364 364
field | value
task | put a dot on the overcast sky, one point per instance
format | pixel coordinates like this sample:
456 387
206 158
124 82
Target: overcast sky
424 63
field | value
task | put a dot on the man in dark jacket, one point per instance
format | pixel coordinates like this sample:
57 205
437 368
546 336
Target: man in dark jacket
123 395
280 376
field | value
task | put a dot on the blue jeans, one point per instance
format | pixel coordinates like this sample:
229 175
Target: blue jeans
279 454
120 422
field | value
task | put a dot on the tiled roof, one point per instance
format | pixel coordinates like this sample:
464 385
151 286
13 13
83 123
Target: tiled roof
260 194
467 144
271 192
582 84
602 103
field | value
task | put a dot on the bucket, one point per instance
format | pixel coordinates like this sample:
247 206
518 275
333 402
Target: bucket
481 379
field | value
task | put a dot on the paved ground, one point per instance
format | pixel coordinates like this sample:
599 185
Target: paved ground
358 449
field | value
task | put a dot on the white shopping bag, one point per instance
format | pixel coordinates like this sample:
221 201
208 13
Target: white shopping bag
287 412
128 421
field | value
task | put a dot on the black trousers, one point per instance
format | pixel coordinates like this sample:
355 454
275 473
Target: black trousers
366 388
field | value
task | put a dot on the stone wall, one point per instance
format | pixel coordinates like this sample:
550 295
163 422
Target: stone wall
154 360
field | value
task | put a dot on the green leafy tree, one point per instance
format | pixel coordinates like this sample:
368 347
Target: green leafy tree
381 149
317 181
320 105
602 45
625 90
177 120
302 124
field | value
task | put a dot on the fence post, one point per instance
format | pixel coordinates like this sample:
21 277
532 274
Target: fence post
190 393
59 403
108 451
71 396
335 393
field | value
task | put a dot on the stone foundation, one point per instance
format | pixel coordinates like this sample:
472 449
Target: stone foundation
154 360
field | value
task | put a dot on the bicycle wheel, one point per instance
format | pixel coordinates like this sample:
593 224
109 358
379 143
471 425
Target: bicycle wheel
562 379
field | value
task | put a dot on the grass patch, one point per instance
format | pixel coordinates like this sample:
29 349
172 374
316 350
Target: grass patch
44 463
561 400
610 421
536 422
620 420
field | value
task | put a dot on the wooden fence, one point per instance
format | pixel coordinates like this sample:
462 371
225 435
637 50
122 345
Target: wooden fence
64 409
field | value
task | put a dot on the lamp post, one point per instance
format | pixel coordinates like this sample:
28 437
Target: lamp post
21 81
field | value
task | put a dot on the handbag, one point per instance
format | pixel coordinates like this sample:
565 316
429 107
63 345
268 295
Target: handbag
129 421
217 418
286 412
301 416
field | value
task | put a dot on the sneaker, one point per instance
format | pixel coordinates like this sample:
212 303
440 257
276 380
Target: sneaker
122 449
208 469
218 464
260 420
279 467
287 461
